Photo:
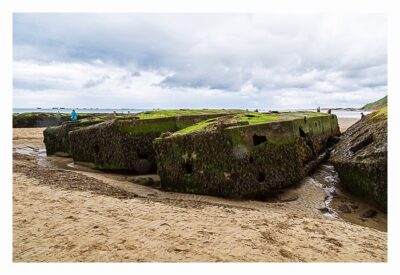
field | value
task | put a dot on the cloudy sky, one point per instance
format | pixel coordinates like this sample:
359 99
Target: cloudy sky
267 61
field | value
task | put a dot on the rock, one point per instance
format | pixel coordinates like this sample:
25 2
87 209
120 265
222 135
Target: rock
288 195
360 158
144 181
180 248
354 206
324 210
344 208
371 213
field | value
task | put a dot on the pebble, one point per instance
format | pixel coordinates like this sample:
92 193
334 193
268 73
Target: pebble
344 208
369 214
324 210
288 196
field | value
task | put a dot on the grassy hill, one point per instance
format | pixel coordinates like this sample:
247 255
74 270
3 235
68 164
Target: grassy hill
376 105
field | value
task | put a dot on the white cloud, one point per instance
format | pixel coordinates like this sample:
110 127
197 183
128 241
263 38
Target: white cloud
178 61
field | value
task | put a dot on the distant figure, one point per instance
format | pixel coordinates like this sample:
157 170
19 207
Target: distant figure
318 109
115 113
329 111
362 115
74 115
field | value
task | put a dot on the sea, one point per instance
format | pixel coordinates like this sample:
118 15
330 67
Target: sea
341 113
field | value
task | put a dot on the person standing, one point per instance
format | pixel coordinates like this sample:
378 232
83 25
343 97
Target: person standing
74 115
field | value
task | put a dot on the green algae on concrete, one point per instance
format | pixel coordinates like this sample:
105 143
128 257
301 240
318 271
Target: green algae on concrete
184 112
360 158
247 118
56 138
128 143
244 155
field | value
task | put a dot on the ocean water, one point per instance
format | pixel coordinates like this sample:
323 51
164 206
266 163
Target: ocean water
338 113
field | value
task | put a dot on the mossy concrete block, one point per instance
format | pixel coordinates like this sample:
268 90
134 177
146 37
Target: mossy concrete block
127 143
32 120
245 159
56 138
360 158
37 120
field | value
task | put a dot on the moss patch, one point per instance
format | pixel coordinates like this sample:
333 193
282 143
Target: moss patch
183 112
146 128
381 111
248 118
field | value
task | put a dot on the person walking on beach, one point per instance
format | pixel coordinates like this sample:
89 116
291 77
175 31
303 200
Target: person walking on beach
362 115
74 115
318 109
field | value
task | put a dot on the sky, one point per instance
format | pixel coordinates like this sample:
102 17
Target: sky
168 61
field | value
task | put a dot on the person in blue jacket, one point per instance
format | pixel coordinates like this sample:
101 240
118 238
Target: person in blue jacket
74 115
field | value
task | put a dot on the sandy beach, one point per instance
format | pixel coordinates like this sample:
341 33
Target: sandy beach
345 122
65 214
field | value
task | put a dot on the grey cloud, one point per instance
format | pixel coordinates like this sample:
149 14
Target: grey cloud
95 82
327 53
135 74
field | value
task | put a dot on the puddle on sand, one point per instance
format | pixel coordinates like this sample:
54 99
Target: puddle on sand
39 153
339 205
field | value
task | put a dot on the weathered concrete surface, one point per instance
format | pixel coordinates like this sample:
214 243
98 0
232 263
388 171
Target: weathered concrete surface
248 155
127 144
360 158
32 120
56 138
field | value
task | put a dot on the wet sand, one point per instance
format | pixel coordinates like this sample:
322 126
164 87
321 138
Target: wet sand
346 122
63 213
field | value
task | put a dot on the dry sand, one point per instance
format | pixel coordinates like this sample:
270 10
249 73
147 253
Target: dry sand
62 216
